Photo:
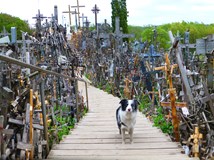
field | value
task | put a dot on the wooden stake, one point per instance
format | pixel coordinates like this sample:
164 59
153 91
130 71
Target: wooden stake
31 124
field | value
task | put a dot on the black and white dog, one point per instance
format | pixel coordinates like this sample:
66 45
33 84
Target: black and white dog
126 117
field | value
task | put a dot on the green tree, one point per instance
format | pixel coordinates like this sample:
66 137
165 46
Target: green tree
119 9
197 30
9 21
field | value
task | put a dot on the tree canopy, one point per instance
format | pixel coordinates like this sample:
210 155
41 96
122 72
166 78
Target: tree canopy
9 21
197 30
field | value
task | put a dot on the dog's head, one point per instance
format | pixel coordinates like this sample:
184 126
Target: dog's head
129 105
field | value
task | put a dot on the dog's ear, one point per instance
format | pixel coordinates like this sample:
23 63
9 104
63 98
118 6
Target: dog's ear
123 101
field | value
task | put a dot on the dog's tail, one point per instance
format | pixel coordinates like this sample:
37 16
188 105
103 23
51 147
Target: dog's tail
118 120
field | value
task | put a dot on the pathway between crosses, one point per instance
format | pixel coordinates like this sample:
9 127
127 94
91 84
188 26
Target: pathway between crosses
96 136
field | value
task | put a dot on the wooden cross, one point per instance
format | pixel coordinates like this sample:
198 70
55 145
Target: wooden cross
87 23
168 70
75 12
95 10
196 138
127 92
153 95
39 17
118 35
8 133
83 17
78 11
69 13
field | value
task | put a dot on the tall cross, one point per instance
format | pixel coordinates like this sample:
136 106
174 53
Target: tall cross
39 18
78 11
83 17
75 12
69 13
119 35
95 10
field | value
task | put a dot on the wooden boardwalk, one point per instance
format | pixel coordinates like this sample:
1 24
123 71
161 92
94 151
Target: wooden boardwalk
96 136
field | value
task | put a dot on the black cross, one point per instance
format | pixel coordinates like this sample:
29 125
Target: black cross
95 10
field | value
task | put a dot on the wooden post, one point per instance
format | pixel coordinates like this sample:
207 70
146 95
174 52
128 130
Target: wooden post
25 149
77 100
1 130
41 87
31 124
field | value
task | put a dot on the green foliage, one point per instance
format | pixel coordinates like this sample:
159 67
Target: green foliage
65 124
119 9
197 30
108 88
160 122
145 102
9 21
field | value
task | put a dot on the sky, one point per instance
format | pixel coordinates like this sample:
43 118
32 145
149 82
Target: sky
141 12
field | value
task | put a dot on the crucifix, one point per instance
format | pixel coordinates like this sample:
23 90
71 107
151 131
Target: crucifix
95 10
78 11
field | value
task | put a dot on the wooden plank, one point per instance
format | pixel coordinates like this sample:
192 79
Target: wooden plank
110 129
113 136
136 157
138 146
112 141
177 104
114 152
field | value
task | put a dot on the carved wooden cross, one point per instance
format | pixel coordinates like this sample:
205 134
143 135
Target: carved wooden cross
197 136
127 92
168 70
